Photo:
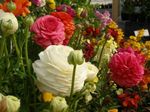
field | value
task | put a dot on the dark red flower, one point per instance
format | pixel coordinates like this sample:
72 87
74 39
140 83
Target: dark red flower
88 51
129 100
92 31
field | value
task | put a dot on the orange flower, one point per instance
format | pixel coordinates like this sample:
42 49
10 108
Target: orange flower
113 110
146 80
68 23
21 7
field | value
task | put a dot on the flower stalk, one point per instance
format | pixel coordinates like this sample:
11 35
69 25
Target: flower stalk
101 53
2 41
27 35
73 80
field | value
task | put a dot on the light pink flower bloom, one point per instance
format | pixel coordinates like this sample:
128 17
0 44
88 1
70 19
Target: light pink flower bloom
104 17
48 30
126 68
39 3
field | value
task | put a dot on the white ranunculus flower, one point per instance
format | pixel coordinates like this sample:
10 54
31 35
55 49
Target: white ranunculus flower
54 73
13 103
9 23
92 71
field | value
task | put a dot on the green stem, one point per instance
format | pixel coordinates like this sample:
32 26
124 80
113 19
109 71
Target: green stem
79 40
22 64
6 53
18 52
26 50
100 57
73 80
2 45
16 45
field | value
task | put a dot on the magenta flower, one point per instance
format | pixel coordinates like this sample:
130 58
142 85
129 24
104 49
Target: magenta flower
39 3
48 30
104 17
67 9
126 68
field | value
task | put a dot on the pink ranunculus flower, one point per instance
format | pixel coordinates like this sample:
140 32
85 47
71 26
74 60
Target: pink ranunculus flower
126 68
48 30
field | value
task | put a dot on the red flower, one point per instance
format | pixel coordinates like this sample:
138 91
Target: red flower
92 31
129 100
88 51
68 24
126 68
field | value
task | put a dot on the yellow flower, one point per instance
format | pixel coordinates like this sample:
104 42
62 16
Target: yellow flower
52 4
120 35
133 38
113 25
47 96
140 34
147 44
113 110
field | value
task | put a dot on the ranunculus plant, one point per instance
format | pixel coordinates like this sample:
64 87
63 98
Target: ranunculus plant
67 56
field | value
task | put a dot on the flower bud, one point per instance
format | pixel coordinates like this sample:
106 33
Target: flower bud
90 87
11 6
79 11
88 97
29 21
13 104
3 106
76 57
9 23
1 97
119 91
58 104
84 13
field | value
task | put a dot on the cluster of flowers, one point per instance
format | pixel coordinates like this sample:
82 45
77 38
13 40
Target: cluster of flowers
84 56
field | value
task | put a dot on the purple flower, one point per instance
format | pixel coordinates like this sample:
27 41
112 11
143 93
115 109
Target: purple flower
104 17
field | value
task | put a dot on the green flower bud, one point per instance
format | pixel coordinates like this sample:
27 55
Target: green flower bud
13 104
11 6
1 97
8 23
76 57
119 91
58 104
90 87
84 13
88 98
79 11
29 21
3 106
